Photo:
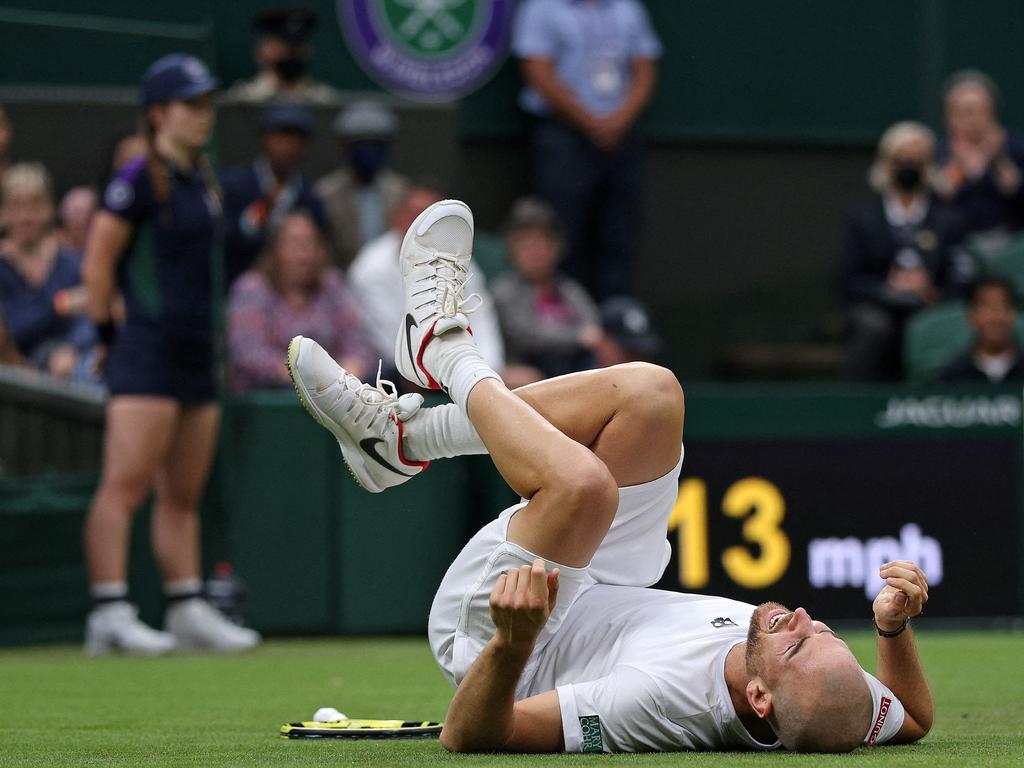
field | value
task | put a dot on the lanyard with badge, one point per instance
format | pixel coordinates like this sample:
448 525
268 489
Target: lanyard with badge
605 51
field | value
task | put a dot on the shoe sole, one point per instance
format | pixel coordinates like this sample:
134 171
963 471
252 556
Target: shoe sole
419 226
345 442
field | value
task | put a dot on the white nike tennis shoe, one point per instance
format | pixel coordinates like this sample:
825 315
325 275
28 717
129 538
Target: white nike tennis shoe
198 626
366 420
116 628
434 259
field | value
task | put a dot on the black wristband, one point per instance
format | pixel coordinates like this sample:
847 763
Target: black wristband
105 331
893 633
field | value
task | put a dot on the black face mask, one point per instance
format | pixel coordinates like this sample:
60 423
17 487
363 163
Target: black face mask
908 177
368 157
291 69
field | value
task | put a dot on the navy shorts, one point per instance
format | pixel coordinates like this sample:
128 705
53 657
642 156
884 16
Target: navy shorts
144 361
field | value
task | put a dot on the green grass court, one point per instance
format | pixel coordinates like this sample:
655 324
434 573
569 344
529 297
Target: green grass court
59 708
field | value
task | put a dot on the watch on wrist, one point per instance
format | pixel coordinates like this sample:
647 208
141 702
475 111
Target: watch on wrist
892 633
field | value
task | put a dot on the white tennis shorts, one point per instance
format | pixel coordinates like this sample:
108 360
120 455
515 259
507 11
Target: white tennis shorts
634 553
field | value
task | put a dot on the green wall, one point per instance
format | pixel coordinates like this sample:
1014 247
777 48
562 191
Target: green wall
799 71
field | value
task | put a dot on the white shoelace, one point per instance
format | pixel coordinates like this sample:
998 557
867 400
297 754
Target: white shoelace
448 286
383 397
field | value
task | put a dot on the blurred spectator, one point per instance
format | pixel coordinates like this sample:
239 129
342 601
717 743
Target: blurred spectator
376 280
629 335
994 355
548 320
76 211
590 71
900 253
42 300
124 147
359 196
6 137
981 161
292 292
259 196
282 57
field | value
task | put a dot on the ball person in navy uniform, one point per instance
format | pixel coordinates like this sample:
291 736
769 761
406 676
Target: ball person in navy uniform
153 243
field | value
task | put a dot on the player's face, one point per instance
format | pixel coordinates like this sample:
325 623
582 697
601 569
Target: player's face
783 643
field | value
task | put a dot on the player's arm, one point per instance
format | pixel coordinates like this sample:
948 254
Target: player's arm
902 598
108 236
484 716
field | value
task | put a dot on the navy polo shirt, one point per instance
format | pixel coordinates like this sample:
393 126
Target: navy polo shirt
165 273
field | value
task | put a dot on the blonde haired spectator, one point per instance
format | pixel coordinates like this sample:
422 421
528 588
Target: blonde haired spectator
900 253
42 300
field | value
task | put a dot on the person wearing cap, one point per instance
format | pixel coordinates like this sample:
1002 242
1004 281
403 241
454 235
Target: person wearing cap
258 196
548 320
360 194
282 55
629 335
153 243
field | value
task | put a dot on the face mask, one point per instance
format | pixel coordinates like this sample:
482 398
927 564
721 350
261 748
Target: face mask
291 69
908 177
368 157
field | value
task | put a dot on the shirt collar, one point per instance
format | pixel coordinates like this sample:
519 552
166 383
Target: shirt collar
899 216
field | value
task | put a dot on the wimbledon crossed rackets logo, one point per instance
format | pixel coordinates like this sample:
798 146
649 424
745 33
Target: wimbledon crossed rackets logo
431 50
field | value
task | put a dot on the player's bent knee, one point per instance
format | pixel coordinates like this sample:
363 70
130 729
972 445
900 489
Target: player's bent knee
589 488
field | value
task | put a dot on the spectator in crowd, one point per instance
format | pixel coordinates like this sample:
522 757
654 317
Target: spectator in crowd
980 160
590 69
900 253
994 355
124 147
154 240
293 291
42 300
6 137
283 54
376 280
76 211
258 196
548 320
359 194
629 334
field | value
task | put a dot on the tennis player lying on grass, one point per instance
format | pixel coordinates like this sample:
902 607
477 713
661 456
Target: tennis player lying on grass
545 622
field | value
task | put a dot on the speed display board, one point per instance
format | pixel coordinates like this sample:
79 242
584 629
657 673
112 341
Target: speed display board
808 519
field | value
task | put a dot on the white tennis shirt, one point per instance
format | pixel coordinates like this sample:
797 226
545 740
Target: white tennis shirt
641 670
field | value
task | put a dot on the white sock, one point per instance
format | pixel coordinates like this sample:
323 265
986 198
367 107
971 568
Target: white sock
455 362
106 593
183 589
441 433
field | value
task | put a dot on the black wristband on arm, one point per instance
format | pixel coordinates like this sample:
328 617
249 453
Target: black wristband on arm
106 331
893 633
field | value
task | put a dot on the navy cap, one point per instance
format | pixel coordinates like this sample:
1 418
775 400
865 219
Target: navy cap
626 320
287 117
176 77
292 25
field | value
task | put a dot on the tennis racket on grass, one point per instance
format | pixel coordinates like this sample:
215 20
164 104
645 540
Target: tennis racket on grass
362 729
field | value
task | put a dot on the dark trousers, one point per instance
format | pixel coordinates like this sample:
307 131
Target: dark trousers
597 198
874 343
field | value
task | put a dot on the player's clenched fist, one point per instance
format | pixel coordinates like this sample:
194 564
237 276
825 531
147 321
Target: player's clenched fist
903 596
521 603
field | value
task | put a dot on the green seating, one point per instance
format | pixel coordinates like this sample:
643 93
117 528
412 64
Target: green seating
489 254
1008 262
933 337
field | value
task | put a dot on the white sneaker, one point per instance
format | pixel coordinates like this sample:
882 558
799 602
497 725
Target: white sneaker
435 260
197 625
365 420
115 628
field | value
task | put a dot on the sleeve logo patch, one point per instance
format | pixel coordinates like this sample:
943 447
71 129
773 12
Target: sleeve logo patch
593 741
883 712
119 195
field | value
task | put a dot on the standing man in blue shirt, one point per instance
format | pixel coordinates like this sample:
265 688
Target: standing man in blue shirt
590 69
